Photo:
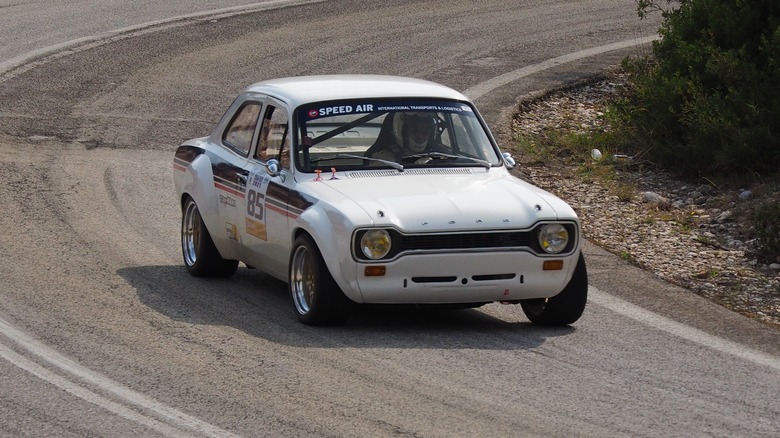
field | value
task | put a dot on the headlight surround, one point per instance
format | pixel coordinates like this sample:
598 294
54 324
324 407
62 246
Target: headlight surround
553 238
375 244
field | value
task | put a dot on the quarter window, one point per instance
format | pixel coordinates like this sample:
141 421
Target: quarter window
238 134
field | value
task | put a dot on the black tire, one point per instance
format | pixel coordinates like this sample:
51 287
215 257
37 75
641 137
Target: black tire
317 299
564 308
200 255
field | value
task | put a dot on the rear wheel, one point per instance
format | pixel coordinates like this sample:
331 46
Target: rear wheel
564 308
316 297
200 255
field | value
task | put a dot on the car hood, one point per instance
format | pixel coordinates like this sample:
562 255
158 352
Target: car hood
420 203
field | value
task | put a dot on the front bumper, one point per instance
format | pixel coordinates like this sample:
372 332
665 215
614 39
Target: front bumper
464 278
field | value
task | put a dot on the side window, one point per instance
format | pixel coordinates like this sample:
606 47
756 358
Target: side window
274 137
239 132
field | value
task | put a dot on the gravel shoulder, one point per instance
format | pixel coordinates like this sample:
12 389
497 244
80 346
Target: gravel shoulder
687 233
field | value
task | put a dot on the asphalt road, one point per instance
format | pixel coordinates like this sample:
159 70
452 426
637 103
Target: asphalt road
102 332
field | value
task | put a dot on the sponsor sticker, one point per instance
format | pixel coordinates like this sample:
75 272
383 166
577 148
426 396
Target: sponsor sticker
232 231
254 218
360 107
341 109
256 228
227 201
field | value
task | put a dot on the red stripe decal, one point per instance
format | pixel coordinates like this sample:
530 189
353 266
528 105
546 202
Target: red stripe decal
229 190
280 210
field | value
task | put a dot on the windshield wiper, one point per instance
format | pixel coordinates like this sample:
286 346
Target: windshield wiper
484 163
392 164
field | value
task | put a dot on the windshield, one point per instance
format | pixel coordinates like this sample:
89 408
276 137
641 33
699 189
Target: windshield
363 134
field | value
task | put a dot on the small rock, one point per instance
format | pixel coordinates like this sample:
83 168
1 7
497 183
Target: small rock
661 240
775 266
724 216
735 244
654 198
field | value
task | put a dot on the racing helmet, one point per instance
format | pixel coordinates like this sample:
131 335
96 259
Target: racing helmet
416 130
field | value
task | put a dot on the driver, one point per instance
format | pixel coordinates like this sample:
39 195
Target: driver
413 133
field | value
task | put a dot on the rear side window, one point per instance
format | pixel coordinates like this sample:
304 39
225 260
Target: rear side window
239 133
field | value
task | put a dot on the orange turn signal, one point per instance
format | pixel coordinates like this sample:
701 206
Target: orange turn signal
552 265
375 271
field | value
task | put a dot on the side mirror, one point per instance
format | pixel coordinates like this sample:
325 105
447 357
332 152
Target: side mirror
508 160
272 167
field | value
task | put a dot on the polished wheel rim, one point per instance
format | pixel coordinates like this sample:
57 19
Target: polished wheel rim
303 280
190 233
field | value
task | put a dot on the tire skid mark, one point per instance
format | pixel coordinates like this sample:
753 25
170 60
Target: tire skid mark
18 65
172 422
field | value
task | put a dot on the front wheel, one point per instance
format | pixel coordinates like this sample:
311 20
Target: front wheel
200 255
316 297
564 308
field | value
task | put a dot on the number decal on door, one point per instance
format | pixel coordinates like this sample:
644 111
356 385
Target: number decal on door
256 187
254 204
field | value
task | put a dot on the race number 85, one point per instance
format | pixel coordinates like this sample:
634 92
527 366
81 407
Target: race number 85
254 204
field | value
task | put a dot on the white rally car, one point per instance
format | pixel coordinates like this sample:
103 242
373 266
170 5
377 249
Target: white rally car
374 189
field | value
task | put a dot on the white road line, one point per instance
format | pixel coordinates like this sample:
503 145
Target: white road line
187 422
675 328
133 398
85 394
17 61
184 425
602 298
486 87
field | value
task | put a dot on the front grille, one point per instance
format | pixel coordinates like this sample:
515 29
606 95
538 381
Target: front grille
522 240
464 241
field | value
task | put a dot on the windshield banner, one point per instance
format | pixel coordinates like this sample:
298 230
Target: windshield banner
328 109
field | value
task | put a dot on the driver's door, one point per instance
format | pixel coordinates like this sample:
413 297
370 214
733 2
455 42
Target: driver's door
266 209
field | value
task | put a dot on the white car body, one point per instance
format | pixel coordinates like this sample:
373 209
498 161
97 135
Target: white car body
255 206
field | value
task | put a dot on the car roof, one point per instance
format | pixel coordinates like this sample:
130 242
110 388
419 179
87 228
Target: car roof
305 89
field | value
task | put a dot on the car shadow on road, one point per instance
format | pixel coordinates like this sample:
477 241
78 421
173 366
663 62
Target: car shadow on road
259 306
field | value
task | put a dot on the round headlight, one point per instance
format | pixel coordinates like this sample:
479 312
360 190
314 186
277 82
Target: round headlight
553 238
375 244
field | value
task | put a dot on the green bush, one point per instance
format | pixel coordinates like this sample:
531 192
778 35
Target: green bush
708 101
765 220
